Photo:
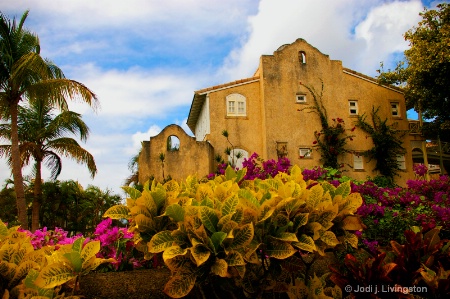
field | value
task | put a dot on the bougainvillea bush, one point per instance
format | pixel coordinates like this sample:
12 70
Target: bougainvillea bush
388 212
39 270
116 243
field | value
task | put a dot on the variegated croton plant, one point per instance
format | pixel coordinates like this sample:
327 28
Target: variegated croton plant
234 230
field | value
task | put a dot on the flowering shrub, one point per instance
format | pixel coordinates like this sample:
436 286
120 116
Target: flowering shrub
388 212
258 168
117 243
420 170
43 237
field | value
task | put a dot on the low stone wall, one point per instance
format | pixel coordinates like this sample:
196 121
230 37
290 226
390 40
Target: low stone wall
138 284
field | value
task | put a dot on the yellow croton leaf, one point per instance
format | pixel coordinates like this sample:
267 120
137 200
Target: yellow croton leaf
173 251
179 285
220 268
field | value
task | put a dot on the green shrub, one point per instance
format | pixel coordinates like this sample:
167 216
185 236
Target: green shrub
28 273
238 237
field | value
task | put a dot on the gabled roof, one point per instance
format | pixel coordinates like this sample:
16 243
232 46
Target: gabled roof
200 97
370 79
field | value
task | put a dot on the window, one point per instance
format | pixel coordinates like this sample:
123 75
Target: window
302 57
281 149
300 98
401 161
395 109
353 107
305 153
236 105
173 143
358 162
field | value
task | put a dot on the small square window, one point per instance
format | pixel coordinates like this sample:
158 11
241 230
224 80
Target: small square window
395 109
358 161
401 162
305 153
353 107
301 98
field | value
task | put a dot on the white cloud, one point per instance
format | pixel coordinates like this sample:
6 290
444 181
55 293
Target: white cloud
328 25
139 136
184 21
134 92
383 30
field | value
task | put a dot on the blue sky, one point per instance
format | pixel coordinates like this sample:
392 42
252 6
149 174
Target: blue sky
145 58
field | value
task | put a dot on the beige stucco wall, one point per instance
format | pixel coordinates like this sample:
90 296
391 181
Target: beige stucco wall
273 114
192 158
244 132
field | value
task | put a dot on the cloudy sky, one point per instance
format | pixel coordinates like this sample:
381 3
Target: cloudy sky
145 58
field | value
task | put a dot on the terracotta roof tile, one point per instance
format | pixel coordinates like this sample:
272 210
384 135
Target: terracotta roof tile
226 84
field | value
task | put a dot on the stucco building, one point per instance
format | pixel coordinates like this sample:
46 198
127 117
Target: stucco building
264 114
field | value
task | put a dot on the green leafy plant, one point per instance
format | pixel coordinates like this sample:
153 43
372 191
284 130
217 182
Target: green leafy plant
419 262
229 151
315 288
218 235
30 273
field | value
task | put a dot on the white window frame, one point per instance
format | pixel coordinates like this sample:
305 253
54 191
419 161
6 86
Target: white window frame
401 160
395 109
236 105
358 161
305 153
300 98
353 105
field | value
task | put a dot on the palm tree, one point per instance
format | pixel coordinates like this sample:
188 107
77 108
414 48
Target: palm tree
25 75
42 138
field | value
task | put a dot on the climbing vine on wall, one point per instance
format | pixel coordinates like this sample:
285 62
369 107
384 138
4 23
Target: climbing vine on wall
387 143
332 139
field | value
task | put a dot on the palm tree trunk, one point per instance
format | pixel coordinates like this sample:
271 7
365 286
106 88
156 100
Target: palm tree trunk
36 207
17 168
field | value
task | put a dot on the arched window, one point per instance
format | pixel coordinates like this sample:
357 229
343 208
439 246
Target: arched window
237 156
302 57
173 143
236 105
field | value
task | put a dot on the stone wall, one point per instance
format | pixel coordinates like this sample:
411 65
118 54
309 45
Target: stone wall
191 157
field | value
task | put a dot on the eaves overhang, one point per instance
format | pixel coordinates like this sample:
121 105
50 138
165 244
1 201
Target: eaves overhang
200 97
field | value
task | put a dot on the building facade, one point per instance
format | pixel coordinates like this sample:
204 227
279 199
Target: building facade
265 114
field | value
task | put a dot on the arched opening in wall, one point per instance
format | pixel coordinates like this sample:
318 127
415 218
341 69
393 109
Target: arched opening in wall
173 143
302 57
417 155
237 156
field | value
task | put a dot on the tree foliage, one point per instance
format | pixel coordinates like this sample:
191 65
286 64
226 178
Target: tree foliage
25 76
425 72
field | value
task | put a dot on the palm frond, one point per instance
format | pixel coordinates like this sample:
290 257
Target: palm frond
54 163
58 91
70 148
